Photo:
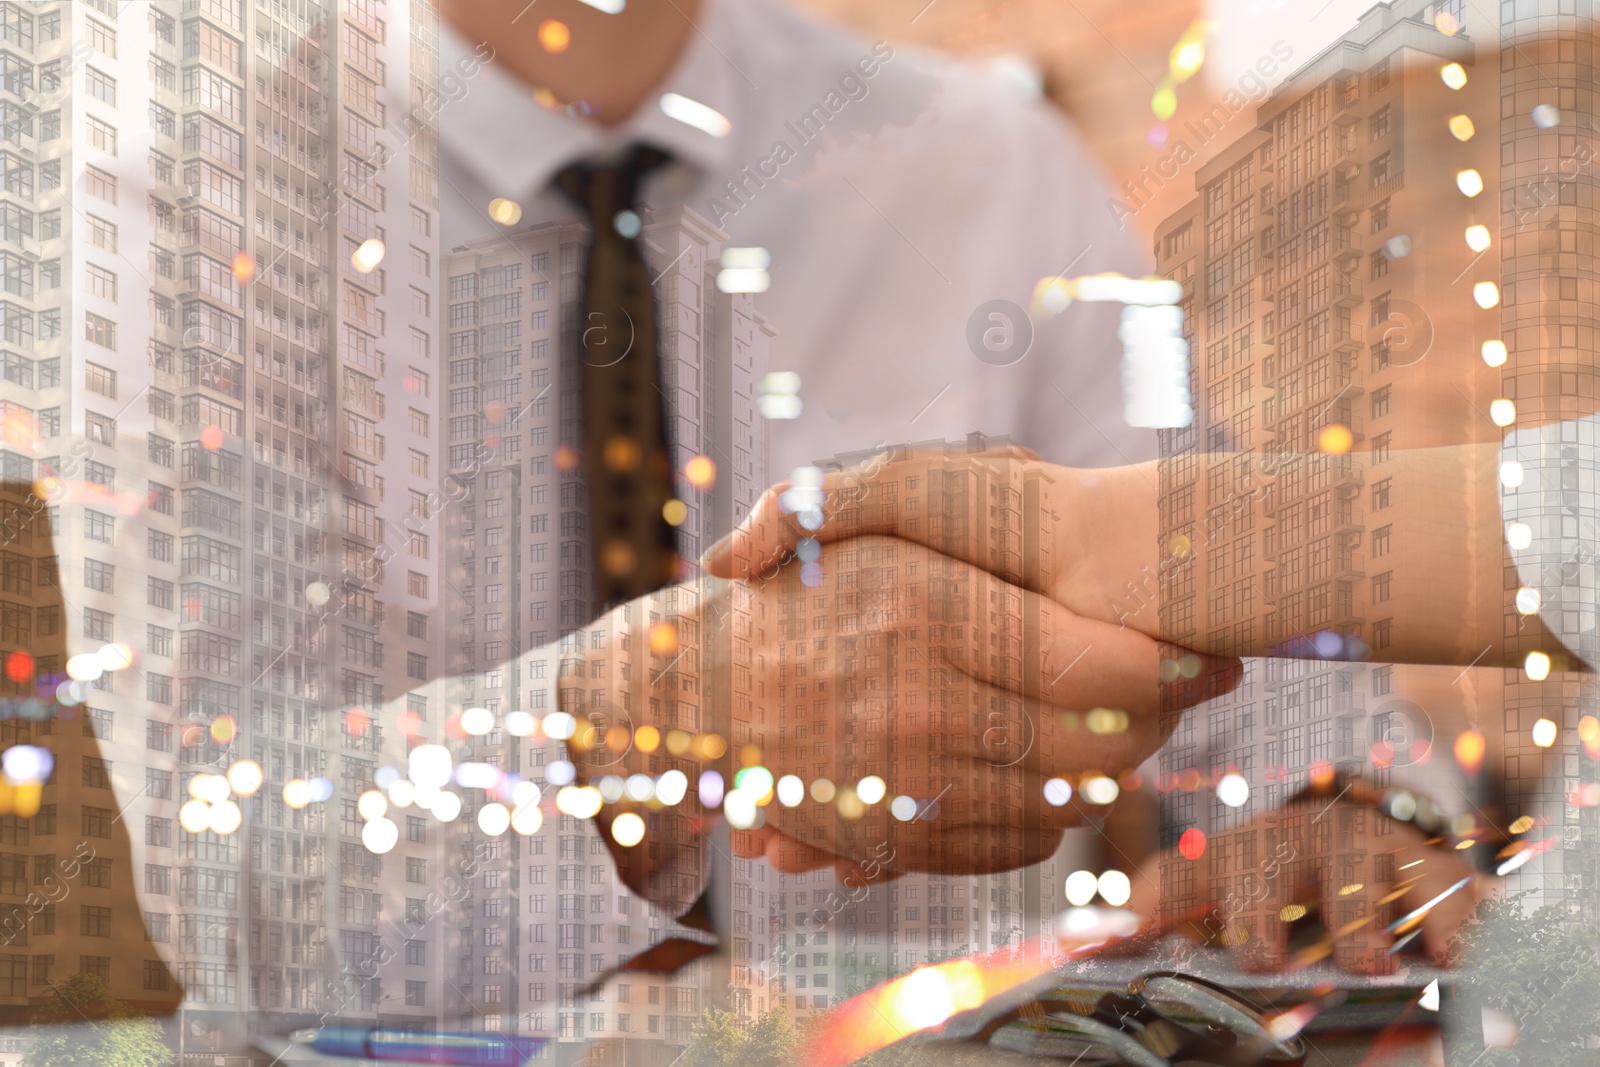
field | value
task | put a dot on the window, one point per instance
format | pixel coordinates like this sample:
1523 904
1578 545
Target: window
1380 401
159 640
158 879
164 122
160 546
100 331
158 688
102 234
419 422
96 773
103 136
98 625
160 499
97 822
1378 124
101 429
102 283
1380 586
417 584
102 39
101 577
1380 541
1382 633
98 526
95 922
1380 216
99 184
1380 264
1378 79
1380 494
1380 448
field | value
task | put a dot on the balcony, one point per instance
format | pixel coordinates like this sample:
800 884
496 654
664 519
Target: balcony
1347 289
1346 254
1348 516
1348 197
1344 338
1349 565
1345 106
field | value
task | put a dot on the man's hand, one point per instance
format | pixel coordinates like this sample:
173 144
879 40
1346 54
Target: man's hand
963 691
1276 873
1099 548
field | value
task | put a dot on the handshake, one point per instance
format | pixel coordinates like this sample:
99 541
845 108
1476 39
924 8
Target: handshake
933 657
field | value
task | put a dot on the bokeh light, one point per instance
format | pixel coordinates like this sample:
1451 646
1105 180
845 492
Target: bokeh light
1335 440
701 472
367 255
627 829
505 212
1115 887
245 777
663 639
1081 887
554 36
1233 790
1536 666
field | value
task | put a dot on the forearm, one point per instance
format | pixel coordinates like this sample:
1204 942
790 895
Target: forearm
1253 554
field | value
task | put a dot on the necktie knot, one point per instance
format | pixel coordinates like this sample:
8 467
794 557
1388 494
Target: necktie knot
603 187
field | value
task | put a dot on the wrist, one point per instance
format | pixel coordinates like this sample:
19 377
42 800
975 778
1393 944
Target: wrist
1111 565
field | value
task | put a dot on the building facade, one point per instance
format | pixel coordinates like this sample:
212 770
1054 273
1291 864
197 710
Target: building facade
1354 273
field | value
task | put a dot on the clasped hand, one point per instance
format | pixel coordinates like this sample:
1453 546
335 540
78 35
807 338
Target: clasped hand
951 670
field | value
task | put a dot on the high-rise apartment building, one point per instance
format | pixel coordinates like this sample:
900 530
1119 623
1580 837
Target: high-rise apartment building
239 420
1350 267
518 578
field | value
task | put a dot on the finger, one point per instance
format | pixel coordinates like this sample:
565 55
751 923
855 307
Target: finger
771 532
792 857
1051 653
750 844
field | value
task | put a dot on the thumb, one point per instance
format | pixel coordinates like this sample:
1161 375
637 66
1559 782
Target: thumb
766 535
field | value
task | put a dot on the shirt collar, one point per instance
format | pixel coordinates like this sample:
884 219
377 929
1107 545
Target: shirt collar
473 129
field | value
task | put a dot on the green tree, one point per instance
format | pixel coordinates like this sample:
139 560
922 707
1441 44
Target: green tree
85 1026
722 1039
718 1040
773 1040
1543 970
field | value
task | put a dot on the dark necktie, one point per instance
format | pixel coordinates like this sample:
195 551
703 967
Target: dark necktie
626 452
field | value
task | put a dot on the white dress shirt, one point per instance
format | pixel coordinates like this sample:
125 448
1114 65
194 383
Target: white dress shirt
931 189
935 192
